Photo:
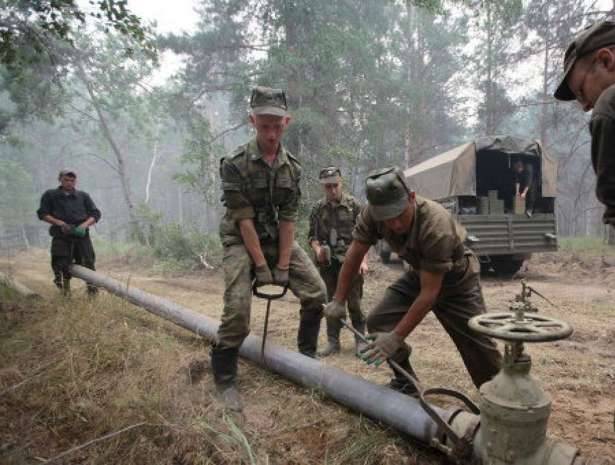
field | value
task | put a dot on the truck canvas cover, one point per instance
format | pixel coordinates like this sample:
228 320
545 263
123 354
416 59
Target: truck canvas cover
453 173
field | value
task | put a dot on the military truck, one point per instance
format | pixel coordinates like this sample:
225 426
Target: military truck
475 182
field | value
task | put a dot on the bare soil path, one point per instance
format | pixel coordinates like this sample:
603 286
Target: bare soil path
579 373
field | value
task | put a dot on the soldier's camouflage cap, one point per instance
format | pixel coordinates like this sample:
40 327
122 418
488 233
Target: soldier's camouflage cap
387 193
592 38
330 175
268 101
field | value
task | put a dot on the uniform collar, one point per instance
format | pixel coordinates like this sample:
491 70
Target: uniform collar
255 153
63 192
344 201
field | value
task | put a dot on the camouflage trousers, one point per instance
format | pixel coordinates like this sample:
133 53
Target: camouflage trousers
453 308
357 317
304 282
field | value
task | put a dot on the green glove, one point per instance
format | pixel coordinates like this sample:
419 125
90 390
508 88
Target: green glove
78 231
381 347
263 275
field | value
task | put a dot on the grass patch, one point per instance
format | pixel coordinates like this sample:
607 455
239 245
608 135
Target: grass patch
586 245
103 382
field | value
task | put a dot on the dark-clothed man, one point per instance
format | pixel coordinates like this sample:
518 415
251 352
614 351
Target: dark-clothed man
444 277
589 78
331 223
260 183
523 179
70 212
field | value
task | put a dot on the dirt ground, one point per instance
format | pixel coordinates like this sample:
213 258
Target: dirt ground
579 373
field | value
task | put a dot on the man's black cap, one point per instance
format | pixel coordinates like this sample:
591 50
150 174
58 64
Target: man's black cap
590 39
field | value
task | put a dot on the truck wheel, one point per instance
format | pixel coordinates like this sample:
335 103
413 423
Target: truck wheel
505 265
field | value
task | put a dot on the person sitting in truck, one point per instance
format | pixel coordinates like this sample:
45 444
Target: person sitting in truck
523 179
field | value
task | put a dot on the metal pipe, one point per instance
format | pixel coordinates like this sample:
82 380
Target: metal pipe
18 286
377 402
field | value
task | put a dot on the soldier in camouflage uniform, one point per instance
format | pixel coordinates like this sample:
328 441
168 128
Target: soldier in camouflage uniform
444 277
331 223
260 183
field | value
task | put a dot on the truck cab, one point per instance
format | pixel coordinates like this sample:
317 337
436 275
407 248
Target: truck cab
476 183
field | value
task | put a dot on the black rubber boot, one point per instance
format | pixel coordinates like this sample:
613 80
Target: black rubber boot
92 291
57 280
66 287
307 337
224 367
400 383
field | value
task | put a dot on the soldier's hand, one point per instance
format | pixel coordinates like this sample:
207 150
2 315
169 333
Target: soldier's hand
363 269
263 275
66 228
381 347
335 309
280 276
322 255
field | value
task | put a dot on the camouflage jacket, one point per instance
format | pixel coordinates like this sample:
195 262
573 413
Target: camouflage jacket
341 217
435 241
253 189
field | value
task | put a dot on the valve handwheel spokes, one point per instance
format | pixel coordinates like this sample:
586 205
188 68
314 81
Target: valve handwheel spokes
522 327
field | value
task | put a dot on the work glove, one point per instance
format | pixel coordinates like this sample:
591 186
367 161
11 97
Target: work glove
66 228
280 276
263 275
335 309
381 347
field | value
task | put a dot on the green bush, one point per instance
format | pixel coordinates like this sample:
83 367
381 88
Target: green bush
185 248
586 244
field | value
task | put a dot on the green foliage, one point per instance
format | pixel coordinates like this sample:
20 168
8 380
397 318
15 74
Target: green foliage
17 202
185 248
31 30
37 48
590 245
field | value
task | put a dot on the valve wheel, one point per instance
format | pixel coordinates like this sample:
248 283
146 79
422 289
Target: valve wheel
523 328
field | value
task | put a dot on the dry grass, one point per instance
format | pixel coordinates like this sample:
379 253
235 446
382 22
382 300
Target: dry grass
73 371
90 369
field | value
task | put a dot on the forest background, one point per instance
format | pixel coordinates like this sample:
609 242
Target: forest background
144 114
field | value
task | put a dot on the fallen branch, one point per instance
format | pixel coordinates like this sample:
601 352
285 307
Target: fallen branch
38 372
204 262
94 441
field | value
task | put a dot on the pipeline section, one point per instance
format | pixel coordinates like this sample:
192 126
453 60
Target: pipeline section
377 402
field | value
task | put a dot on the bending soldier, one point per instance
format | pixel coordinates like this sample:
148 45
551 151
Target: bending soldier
260 184
71 213
444 278
331 223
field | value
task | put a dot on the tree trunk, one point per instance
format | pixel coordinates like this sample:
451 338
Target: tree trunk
150 171
545 90
25 236
121 164
489 105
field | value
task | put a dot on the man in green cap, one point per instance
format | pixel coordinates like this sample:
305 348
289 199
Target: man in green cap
444 277
589 77
331 223
71 213
260 184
